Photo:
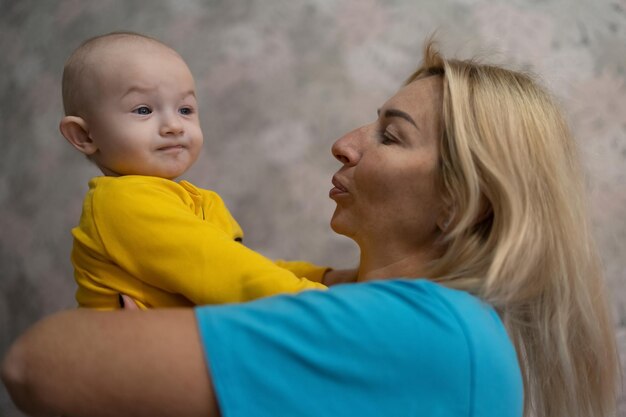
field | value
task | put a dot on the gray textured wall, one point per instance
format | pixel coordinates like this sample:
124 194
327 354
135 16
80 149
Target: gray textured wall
279 81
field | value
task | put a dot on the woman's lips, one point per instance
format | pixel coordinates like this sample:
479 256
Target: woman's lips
338 190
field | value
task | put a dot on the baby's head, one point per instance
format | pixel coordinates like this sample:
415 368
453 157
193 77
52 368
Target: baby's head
130 106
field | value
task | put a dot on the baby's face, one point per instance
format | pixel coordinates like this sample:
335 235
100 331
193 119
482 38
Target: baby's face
144 120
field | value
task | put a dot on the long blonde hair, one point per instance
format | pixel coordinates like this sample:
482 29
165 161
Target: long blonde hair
519 235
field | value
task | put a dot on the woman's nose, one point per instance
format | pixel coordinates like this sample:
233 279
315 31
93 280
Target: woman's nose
347 149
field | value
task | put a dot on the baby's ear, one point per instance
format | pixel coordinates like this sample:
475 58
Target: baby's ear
76 131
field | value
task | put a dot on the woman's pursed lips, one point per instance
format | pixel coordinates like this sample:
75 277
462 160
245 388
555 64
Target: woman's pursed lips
338 188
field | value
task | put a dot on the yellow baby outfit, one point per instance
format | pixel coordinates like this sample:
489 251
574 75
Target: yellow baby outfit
168 244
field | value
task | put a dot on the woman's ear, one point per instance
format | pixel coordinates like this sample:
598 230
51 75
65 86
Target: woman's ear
445 218
76 131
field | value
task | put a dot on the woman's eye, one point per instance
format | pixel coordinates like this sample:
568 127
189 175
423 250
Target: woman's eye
143 110
387 138
186 111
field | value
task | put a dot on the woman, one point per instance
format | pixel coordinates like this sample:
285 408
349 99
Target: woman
470 177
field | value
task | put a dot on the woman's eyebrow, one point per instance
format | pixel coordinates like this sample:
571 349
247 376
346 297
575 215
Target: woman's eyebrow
400 114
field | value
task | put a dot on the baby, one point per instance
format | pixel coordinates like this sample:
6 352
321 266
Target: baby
131 107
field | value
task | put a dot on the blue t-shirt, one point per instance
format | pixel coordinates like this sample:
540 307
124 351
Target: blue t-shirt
386 348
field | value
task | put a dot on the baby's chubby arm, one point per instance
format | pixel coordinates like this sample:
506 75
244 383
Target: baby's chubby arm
152 232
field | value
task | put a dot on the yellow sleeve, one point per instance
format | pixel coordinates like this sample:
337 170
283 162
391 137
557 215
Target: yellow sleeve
150 230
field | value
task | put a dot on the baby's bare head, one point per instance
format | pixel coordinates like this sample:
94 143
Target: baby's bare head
93 59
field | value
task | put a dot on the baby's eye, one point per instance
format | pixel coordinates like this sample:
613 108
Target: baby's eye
143 110
186 111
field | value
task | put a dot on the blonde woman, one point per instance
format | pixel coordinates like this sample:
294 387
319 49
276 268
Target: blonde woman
469 177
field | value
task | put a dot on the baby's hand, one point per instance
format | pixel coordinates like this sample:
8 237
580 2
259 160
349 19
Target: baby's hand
127 303
340 276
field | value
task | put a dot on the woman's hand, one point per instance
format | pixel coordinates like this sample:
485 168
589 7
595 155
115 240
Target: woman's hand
340 276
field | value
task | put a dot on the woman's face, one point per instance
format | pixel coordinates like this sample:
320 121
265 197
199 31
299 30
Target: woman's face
387 191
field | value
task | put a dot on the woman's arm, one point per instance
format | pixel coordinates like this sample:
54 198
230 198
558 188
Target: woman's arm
87 363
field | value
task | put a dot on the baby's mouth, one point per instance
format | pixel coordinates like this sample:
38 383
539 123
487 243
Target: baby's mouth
171 148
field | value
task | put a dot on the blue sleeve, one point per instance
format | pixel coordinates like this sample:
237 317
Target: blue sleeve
389 348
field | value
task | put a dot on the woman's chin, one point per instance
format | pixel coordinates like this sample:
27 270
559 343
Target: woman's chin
340 226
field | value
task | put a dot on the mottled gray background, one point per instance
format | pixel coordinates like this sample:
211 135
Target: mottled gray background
279 81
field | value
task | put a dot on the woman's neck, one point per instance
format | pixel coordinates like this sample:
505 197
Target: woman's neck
393 263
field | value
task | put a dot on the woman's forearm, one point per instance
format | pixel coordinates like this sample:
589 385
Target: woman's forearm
89 363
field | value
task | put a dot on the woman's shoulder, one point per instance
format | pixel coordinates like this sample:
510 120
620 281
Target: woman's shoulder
451 333
423 294
355 341
429 303
477 333
442 346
